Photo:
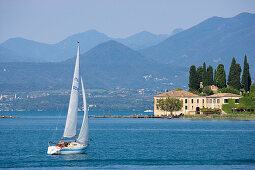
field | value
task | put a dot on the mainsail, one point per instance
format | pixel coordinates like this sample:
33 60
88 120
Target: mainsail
83 136
71 120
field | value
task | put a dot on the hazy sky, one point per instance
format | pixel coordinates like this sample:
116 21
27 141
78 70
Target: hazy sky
53 20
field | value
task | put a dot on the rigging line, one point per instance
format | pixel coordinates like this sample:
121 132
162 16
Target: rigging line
54 133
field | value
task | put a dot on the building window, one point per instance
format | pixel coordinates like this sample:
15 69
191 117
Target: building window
210 101
225 100
186 107
203 100
218 100
192 107
236 100
192 100
197 100
186 100
214 100
156 100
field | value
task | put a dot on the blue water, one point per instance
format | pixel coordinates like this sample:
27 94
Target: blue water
129 143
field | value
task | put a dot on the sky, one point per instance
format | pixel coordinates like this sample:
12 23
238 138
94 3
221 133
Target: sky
51 21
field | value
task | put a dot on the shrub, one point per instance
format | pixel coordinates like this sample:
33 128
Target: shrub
229 90
207 90
252 91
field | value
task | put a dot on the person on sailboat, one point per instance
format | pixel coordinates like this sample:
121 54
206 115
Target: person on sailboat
60 144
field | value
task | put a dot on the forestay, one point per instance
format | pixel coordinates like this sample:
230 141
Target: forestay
71 120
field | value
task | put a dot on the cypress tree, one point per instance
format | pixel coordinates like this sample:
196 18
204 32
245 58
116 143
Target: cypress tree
234 75
246 77
209 75
231 71
204 79
220 76
193 80
199 74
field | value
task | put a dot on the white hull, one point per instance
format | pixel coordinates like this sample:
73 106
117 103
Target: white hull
73 148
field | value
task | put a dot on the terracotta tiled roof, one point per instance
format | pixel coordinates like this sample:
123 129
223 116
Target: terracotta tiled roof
180 93
225 95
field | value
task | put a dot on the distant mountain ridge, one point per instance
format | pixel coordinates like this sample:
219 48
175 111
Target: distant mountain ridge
42 52
215 40
112 64
142 40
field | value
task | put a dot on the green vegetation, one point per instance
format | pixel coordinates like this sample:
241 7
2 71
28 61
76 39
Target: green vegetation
207 90
209 109
252 91
229 90
228 107
209 75
193 79
220 77
234 75
206 76
245 104
240 116
246 77
199 74
170 104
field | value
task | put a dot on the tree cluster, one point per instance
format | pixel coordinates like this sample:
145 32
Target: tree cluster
170 104
218 78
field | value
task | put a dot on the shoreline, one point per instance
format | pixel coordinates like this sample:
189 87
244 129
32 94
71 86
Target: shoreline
232 116
213 116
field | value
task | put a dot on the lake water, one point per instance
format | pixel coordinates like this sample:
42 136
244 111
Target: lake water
129 143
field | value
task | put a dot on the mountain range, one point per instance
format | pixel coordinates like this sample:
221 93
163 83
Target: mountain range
65 49
143 60
110 64
215 40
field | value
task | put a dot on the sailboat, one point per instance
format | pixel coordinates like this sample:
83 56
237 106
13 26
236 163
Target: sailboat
77 145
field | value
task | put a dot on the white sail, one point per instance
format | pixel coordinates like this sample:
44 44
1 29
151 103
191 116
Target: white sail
84 132
71 120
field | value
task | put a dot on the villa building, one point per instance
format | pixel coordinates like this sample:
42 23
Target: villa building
192 103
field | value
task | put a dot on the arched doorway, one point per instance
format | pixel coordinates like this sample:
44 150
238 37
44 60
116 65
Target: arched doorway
197 110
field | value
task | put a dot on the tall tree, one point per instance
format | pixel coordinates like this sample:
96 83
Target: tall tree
193 80
246 77
234 75
204 79
209 75
220 76
199 74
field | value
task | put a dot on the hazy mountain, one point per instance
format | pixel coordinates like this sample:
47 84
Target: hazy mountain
216 40
176 31
113 64
42 52
88 40
107 65
30 49
10 56
142 40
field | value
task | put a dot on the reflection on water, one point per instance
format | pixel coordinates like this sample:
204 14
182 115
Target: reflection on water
73 157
